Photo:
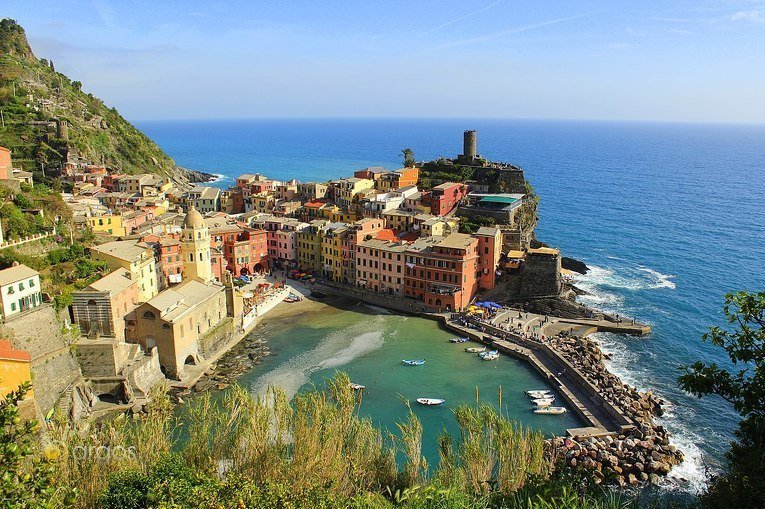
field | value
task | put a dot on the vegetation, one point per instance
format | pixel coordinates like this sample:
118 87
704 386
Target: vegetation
20 210
270 453
744 387
409 161
33 97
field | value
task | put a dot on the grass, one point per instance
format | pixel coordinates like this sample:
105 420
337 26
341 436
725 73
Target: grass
315 451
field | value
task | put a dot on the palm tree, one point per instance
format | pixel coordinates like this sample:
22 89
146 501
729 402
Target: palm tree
408 158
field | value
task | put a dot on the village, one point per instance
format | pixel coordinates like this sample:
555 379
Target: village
190 271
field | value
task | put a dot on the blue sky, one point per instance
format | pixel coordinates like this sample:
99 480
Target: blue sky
674 61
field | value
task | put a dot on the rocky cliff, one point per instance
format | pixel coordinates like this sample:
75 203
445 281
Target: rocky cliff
47 118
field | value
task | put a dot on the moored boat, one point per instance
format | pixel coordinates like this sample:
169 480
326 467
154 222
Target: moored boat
357 387
538 394
550 410
419 362
430 401
475 349
542 402
491 356
459 340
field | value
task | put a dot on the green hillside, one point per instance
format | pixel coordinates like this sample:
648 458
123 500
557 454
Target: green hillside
34 98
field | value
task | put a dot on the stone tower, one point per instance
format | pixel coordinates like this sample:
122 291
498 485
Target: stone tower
195 247
469 147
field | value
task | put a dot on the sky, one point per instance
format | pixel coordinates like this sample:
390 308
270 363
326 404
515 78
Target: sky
689 61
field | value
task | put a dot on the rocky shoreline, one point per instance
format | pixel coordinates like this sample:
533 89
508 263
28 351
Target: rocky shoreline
636 457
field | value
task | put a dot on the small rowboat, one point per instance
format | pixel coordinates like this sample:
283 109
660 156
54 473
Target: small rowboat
550 410
459 340
490 356
357 387
542 402
475 349
539 394
413 362
430 401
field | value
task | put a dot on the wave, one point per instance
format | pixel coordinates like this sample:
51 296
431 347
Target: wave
336 349
691 475
661 280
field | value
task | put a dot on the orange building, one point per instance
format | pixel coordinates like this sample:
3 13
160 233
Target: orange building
489 251
14 368
441 271
445 197
6 166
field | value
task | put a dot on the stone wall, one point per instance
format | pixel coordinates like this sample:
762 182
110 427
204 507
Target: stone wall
144 374
217 338
54 367
540 276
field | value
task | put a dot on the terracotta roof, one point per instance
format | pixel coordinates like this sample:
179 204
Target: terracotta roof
387 234
7 352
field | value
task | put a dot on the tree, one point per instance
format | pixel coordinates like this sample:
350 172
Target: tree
26 479
744 387
408 158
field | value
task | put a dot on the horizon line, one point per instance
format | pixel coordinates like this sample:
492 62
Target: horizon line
455 118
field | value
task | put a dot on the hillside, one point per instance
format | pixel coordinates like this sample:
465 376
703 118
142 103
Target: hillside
47 118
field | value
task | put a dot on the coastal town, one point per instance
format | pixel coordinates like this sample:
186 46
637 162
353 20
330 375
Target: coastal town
188 272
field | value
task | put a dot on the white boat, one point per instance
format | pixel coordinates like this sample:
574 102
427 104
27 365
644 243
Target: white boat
550 410
357 387
539 394
475 349
430 401
459 340
490 356
542 402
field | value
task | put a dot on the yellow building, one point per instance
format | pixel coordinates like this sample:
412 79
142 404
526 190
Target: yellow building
348 189
309 245
108 223
263 203
14 368
137 258
400 220
332 251
195 248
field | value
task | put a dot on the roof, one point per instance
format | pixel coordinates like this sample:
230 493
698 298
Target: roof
113 283
516 254
487 231
385 245
544 251
314 204
498 199
246 176
177 301
386 234
128 250
7 352
16 273
457 241
447 185
193 219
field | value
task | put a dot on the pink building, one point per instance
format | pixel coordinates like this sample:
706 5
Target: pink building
489 253
282 240
380 266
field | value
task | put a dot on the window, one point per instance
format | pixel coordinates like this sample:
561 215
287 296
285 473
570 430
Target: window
31 283
21 286
148 315
11 291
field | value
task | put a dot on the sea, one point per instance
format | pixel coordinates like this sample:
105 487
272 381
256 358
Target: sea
668 216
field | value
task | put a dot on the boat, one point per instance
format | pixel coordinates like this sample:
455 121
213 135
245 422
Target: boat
430 401
490 356
538 394
550 410
542 402
459 340
419 362
357 387
490 353
292 298
475 349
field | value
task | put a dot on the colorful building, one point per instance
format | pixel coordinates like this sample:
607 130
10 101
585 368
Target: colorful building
380 265
309 245
137 258
14 368
490 252
441 271
445 197
19 290
100 308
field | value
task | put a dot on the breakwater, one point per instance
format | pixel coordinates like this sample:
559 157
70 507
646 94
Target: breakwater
621 444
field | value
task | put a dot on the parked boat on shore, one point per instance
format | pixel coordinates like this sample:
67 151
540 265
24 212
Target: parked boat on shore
430 401
550 410
475 349
419 362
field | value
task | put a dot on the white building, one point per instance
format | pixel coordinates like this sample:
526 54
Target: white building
19 290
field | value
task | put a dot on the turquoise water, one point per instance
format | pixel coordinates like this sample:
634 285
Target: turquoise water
369 343
670 217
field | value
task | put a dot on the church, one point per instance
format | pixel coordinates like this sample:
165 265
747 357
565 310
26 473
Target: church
177 320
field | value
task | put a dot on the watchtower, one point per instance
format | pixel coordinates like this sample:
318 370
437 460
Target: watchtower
469 147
